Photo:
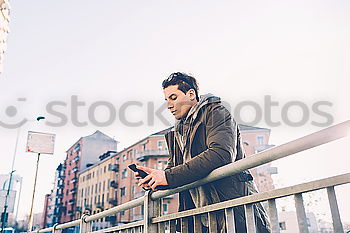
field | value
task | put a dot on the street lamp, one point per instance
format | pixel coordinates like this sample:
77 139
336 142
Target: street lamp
5 214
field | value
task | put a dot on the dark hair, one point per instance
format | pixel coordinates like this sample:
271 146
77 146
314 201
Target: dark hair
185 82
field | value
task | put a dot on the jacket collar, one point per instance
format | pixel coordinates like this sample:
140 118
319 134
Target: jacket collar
193 112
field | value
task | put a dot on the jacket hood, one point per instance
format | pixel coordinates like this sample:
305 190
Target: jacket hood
203 101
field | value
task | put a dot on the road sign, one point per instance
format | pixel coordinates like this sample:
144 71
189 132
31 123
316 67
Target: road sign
42 143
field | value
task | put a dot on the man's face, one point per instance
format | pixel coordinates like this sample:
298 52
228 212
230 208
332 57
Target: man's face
179 103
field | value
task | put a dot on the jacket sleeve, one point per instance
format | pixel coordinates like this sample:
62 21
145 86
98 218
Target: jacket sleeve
220 132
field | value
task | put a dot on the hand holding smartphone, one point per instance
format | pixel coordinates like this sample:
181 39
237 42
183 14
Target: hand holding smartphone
143 174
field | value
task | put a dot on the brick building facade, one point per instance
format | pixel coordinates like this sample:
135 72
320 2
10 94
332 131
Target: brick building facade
82 153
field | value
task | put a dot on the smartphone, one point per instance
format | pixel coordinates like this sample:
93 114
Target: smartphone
143 174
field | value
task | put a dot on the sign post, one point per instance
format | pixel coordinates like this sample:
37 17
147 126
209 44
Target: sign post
40 143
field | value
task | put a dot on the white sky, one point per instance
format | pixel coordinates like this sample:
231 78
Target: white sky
117 51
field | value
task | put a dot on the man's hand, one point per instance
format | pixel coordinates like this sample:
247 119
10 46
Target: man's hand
155 177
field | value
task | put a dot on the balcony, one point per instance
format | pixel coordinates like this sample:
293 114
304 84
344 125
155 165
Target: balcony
111 219
56 211
113 201
70 212
76 159
88 207
74 180
73 190
100 205
60 185
143 155
114 167
114 184
75 169
76 148
79 209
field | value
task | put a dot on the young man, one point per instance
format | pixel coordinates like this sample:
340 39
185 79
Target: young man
205 137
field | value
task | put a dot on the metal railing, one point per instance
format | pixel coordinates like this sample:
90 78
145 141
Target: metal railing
154 222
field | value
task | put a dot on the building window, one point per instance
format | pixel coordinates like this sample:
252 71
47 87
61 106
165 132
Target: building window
133 189
159 165
165 208
260 140
124 157
124 173
122 191
282 226
122 213
160 145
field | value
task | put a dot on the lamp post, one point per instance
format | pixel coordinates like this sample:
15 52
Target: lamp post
5 214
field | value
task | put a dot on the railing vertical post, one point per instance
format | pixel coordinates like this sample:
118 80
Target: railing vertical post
301 215
85 226
250 218
230 220
55 230
337 224
273 216
152 209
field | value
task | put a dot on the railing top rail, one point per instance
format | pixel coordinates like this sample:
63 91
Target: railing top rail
116 209
68 224
273 194
49 229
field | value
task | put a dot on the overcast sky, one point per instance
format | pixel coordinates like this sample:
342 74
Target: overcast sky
119 51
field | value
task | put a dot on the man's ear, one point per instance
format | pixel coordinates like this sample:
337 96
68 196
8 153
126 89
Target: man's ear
192 94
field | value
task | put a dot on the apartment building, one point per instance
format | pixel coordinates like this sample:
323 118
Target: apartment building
57 194
80 156
97 189
52 205
255 140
